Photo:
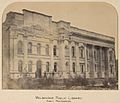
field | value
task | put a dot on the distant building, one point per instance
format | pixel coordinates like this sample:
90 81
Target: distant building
36 45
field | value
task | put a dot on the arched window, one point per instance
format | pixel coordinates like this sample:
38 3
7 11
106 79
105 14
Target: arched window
38 48
30 66
47 67
47 49
88 52
67 65
54 50
95 54
66 50
38 64
103 54
38 72
81 51
73 51
29 47
20 65
88 67
111 69
73 66
55 67
20 47
95 67
82 67
111 55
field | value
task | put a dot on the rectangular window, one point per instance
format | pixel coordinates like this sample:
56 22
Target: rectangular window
95 67
81 52
87 53
29 47
111 55
38 49
111 69
20 47
73 66
73 51
82 67
47 49
66 51
88 67
55 50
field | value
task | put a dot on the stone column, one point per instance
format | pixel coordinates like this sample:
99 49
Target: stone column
101 71
86 69
107 62
115 66
25 61
13 54
70 54
77 58
92 62
62 58
51 56
15 58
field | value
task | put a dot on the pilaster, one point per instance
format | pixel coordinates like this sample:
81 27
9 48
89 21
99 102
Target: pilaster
101 70
51 54
25 62
70 54
77 59
63 58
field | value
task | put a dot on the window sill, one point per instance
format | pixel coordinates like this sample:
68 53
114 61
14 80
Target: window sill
81 57
20 53
67 56
73 56
55 56
29 53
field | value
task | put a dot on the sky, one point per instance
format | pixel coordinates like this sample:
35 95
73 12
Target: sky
96 17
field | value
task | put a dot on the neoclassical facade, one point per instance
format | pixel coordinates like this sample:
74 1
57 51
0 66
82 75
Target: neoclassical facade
36 45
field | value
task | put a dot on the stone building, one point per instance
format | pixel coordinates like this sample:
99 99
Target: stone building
35 45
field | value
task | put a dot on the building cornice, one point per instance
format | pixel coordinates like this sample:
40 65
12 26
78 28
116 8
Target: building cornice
94 34
92 38
36 13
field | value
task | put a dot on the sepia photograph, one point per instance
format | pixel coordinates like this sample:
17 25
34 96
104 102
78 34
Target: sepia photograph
60 46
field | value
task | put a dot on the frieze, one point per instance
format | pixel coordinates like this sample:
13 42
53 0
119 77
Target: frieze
91 38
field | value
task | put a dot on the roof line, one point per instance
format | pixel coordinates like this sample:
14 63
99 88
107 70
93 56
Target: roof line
93 32
36 12
14 12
